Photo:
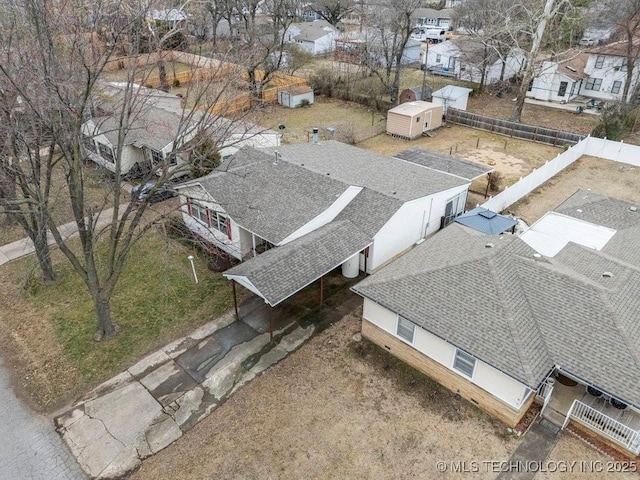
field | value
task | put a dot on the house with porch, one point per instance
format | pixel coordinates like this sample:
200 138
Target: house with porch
158 131
295 213
467 59
560 77
606 71
506 320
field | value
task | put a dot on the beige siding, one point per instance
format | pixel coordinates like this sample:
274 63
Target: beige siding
398 125
443 375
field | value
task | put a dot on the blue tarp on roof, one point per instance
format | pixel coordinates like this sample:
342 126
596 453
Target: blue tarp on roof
486 221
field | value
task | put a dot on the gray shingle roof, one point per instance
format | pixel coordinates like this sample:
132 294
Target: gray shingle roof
354 166
521 314
486 221
280 272
600 210
271 200
445 163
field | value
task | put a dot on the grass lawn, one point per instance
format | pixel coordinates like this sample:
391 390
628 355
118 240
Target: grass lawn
347 118
48 329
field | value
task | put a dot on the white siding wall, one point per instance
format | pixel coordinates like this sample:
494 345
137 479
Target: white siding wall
413 221
610 72
485 376
233 246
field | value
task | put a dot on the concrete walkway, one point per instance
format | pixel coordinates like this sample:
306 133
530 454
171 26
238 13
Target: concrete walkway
29 446
531 453
153 403
21 248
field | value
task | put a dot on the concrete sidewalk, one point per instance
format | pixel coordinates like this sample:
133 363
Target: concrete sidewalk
153 403
23 247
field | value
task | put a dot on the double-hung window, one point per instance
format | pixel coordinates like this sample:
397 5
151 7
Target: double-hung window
219 222
593 84
106 152
406 329
200 212
615 88
464 363
156 156
599 61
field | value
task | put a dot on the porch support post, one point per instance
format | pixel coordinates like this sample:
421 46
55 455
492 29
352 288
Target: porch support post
253 243
270 322
486 191
321 290
235 298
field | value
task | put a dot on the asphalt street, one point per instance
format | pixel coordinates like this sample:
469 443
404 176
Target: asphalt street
30 448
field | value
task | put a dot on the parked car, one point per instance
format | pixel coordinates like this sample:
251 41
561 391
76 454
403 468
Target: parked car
152 192
586 41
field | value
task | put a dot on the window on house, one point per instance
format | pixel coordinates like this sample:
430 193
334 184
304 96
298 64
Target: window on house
530 87
406 329
615 88
599 61
199 212
454 207
106 152
624 63
563 89
418 120
438 58
219 222
156 157
464 363
89 144
593 84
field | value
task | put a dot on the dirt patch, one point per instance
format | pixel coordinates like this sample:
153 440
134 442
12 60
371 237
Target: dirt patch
334 410
601 176
488 104
511 157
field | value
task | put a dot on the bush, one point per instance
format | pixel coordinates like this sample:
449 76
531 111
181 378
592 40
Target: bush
495 181
615 122
176 82
305 103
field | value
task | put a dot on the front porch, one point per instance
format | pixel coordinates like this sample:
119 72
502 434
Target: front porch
601 414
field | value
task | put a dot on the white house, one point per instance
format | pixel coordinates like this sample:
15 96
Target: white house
606 71
316 206
316 37
560 77
502 324
429 17
465 59
158 131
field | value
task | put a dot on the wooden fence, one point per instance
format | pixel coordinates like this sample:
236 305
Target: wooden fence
548 136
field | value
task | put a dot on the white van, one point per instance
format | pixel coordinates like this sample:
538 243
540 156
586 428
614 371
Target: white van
429 34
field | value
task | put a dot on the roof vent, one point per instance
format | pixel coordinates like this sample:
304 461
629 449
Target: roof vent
537 255
579 210
488 245
607 274
633 209
573 69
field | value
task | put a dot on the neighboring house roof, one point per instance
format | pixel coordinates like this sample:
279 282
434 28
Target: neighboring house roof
433 13
521 313
616 49
280 272
154 128
168 15
571 63
451 92
417 91
354 166
445 163
486 221
313 33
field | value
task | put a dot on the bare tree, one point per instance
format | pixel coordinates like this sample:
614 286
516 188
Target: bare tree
56 63
388 40
334 11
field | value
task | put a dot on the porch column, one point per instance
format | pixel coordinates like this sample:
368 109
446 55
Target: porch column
321 290
253 243
270 322
235 298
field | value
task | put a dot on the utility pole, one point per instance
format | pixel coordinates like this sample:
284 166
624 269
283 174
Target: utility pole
423 93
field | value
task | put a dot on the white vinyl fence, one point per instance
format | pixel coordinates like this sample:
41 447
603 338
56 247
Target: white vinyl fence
595 147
